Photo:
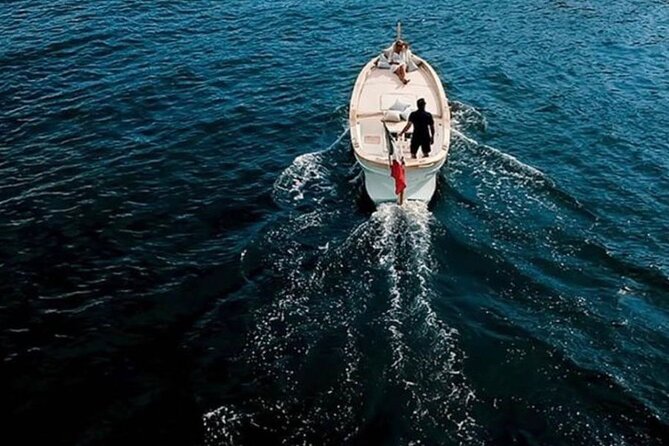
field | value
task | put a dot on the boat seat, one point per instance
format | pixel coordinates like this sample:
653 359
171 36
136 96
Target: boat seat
374 136
388 99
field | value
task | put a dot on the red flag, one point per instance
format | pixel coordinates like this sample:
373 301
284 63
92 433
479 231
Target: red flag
397 172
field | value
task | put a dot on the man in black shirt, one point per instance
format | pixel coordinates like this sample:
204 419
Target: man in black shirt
423 129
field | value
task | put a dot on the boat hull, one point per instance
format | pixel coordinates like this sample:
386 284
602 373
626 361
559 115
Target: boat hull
375 136
380 186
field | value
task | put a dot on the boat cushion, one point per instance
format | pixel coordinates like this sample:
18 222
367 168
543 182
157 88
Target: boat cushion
396 101
392 116
399 105
383 62
405 114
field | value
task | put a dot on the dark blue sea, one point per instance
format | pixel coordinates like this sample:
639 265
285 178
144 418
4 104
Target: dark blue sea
188 256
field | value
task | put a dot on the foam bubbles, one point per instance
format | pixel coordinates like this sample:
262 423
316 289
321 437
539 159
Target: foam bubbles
344 321
427 362
308 177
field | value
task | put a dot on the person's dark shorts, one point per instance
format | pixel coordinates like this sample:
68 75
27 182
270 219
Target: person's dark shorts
424 144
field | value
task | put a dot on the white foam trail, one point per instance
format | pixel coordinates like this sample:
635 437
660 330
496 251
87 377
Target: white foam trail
397 239
513 160
408 223
433 377
464 116
465 137
304 169
307 170
386 217
526 172
287 328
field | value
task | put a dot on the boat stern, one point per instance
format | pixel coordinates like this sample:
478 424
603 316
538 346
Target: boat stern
380 186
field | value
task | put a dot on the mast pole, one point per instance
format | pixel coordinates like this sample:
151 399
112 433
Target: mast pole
399 30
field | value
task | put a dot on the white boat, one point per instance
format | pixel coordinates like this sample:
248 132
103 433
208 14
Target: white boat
375 91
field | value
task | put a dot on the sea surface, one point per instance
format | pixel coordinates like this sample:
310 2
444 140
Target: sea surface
188 257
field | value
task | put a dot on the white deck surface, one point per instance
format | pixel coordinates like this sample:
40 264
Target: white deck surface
380 89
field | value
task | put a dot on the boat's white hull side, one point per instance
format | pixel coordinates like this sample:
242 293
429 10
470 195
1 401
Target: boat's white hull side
380 186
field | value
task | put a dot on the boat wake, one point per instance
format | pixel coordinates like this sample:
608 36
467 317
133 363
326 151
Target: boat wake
466 118
506 199
426 360
308 176
345 341
346 335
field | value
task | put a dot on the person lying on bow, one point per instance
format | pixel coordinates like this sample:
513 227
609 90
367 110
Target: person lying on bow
398 59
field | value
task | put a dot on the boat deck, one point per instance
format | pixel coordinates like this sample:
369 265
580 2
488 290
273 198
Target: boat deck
380 89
